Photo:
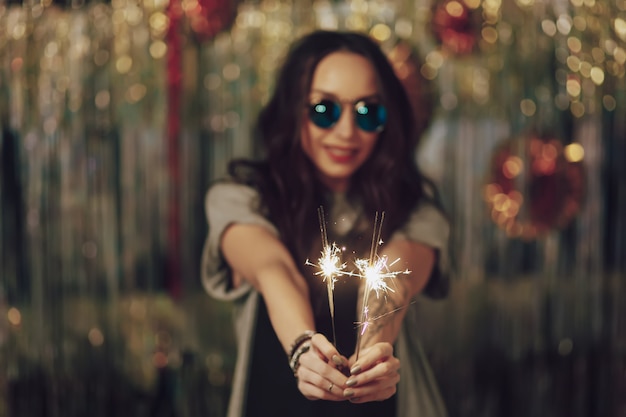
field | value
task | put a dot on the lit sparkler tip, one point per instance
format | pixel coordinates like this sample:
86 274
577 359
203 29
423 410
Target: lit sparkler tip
376 273
329 263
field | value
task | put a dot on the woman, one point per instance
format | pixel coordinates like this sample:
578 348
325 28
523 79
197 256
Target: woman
338 133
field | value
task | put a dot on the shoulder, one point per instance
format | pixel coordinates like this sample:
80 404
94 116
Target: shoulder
427 213
229 195
226 189
427 225
426 217
229 202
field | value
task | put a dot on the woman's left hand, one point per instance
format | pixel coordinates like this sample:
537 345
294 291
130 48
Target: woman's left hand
374 376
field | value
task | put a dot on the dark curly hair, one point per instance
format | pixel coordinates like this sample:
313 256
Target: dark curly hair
290 190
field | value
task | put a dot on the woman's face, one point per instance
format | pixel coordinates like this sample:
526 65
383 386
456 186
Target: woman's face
338 150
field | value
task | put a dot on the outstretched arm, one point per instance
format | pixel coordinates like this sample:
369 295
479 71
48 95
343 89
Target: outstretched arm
375 371
388 310
257 256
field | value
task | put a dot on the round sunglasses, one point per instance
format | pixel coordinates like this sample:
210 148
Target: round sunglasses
370 117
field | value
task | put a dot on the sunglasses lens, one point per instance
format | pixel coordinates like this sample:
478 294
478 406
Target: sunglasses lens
371 117
325 113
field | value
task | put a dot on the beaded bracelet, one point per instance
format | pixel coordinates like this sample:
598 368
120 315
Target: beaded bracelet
294 361
301 345
307 335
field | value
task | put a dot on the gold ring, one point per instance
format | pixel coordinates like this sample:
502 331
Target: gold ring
331 387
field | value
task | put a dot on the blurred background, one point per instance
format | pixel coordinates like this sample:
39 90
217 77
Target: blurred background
116 116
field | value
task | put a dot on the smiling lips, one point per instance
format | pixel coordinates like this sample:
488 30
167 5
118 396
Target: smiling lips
341 155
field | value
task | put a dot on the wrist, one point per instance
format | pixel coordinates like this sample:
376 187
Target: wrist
300 346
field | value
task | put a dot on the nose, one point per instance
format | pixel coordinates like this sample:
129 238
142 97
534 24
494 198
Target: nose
346 125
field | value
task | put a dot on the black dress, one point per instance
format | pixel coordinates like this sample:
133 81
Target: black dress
272 389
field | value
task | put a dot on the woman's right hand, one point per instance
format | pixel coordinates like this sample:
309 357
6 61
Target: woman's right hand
319 374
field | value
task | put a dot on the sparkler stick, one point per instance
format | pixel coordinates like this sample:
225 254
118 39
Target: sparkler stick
375 271
364 265
330 267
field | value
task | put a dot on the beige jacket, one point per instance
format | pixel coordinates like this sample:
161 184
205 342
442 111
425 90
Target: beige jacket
227 203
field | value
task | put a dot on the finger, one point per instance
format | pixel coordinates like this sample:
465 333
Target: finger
377 390
382 371
377 353
327 371
313 392
314 386
328 350
378 395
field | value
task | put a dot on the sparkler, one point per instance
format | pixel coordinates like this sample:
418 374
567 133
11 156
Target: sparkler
375 271
330 266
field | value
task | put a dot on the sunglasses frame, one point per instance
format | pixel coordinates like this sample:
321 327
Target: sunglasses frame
334 110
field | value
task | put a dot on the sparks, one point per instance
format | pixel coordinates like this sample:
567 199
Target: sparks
330 266
365 324
376 273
